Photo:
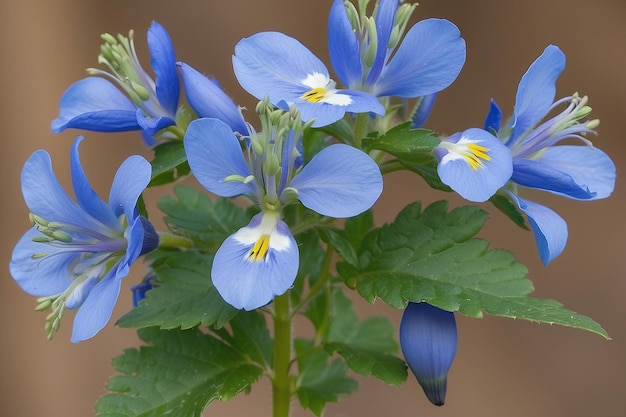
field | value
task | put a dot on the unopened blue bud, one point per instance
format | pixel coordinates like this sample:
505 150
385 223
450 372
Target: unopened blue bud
428 339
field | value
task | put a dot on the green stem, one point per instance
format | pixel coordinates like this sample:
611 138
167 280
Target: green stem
391 166
360 128
171 240
281 384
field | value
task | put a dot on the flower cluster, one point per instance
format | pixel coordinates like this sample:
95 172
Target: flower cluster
320 144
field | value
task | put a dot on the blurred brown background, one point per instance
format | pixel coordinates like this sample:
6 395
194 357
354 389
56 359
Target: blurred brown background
503 367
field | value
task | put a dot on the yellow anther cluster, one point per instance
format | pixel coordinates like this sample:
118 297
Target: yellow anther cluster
259 250
475 155
315 95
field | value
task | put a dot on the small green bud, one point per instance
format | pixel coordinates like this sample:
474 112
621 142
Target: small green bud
353 15
42 239
44 305
257 146
108 38
592 124
141 91
61 236
288 195
370 53
38 255
272 165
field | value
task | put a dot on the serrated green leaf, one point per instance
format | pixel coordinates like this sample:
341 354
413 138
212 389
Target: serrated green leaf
250 336
431 256
368 346
336 239
320 380
169 163
185 297
194 215
311 260
404 140
357 227
178 374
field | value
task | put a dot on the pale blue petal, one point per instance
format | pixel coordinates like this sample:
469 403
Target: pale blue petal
40 277
163 62
151 125
46 198
85 195
275 65
537 174
214 153
96 310
343 47
588 166
131 179
428 60
385 16
95 104
340 181
536 90
208 100
550 229
480 184
250 285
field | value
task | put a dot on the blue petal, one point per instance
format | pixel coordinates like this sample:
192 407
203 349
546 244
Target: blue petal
86 196
151 125
428 60
385 16
340 181
95 104
214 153
46 198
96 310
424 107
494 118
275 65
209 101
536 90
549 228
587 166
40 277
131 179
343 46
250 285
475 184
163 62
537 174
428 339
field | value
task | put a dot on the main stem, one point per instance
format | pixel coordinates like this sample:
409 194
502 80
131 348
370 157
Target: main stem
281 386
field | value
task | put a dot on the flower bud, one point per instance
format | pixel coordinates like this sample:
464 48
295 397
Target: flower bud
428 340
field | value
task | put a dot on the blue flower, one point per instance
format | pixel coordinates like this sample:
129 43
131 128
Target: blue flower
368 53
580 172
275 65
261 260
97 104
474 163
77 253
428 340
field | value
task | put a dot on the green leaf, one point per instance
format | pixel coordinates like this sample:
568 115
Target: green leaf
185 297
194 215
431 256
402 140
336 239
178 374
320 380
510 210
249 336
169 163
357 227
311 259
368 346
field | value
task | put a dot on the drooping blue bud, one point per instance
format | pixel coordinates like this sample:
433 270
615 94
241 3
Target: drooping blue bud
428 340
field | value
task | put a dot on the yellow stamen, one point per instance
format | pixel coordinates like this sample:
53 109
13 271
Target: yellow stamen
475 154
259 250
314 96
